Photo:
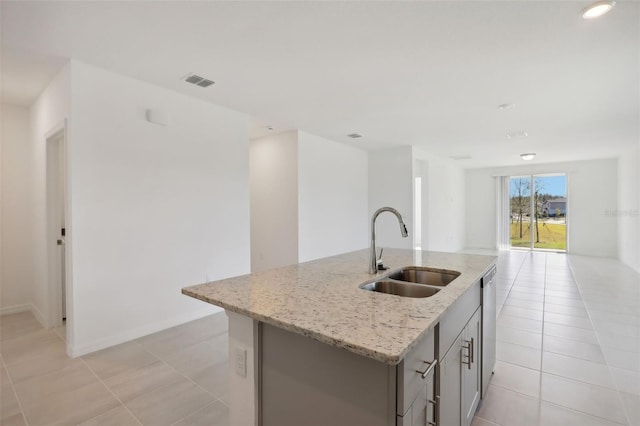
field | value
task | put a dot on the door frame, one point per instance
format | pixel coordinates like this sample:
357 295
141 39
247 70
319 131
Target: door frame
58 135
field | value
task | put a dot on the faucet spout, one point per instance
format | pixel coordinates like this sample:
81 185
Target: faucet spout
374 261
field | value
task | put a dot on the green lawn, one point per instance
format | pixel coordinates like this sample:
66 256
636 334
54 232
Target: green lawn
552 236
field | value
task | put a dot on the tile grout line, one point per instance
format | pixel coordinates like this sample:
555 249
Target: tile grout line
111 392
544 297
216 399
103 384
162 387
197 411
511 287
583 413
183 375
548 269
13 389
615 382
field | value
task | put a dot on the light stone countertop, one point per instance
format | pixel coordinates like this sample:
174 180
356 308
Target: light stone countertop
321 299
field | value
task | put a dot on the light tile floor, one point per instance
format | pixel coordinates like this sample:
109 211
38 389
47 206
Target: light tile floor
568 354
568 350
174 377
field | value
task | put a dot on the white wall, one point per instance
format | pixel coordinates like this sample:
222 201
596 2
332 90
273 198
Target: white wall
153 208
47 114
16 245
391 185
628 211
392 176
332 198
24 225
443 203
274 201
480 208
592 191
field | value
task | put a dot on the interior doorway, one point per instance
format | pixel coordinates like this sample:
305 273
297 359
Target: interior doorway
56 225
538 212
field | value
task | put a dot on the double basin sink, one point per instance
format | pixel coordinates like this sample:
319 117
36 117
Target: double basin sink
412 281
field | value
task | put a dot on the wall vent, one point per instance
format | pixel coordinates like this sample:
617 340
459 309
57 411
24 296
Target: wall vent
354 135
198 80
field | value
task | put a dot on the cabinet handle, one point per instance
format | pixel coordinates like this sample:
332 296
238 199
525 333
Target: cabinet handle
469 348
429 369
430 423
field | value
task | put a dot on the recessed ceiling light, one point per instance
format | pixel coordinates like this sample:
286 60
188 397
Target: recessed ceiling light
354 135
597 9
528 156
517 135
505 106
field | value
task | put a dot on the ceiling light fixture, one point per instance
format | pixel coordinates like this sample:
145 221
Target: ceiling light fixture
597 9
528 156
505 106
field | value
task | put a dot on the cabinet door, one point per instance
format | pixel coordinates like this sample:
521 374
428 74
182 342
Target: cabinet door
423 408
471 368
450 381
410 381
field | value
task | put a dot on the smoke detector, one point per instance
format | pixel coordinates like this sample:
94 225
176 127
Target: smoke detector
198 80
506 106
517 135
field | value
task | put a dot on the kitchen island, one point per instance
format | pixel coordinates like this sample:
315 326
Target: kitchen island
293 330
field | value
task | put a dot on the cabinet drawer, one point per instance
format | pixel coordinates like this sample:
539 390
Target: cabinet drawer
410 381
455 319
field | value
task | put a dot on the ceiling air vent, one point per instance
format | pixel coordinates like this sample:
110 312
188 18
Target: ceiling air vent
198 81
354 135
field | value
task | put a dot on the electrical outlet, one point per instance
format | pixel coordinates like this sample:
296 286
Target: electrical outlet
240 356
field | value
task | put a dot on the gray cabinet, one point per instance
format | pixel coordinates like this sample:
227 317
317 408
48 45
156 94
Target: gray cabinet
458 385
302 381
416 385
305 382
423 410
450 385
471 369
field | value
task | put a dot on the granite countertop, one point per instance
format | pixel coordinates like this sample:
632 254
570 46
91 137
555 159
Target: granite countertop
321 299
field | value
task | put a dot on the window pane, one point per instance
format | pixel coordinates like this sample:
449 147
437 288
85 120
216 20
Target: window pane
550 216
520 200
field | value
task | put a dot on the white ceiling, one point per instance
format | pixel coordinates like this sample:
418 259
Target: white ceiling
429 74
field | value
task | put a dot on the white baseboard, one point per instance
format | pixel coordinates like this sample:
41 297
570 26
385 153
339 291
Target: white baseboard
36 313
8 310
26 307
78 350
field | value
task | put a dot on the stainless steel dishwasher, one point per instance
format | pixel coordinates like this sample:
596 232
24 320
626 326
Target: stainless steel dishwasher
488 328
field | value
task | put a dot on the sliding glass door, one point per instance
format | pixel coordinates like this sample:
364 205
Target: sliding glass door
538 206
550 216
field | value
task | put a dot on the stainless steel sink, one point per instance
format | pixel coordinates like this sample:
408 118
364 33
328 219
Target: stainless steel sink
426 276
400 288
